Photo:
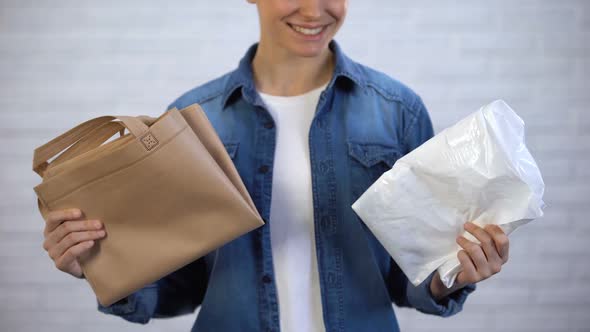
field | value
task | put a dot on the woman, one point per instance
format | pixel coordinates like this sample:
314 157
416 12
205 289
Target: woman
309 130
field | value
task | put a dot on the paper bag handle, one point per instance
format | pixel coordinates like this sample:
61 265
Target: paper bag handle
136 126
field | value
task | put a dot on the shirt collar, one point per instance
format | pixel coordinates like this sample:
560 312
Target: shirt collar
242 78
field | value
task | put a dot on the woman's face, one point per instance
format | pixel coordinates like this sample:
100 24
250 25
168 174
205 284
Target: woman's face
301 27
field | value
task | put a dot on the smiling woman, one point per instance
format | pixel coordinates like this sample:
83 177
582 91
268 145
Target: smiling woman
300 110
308 130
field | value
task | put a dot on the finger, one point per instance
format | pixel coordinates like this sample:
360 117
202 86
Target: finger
501 241
72 253
468 273
476 254
71 226
55 218
486 242
72 239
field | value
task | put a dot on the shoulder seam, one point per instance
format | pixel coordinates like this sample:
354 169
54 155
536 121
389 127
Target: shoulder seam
410 105
186 97
415 115
209 97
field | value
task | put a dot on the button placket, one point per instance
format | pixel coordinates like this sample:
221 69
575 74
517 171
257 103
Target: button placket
264 150
263 169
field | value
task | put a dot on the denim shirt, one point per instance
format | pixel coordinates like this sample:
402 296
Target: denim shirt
364 121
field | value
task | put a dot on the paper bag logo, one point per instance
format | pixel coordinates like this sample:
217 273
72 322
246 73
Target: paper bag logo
149 141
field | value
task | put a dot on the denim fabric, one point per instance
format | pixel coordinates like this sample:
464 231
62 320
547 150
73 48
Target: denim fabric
364 121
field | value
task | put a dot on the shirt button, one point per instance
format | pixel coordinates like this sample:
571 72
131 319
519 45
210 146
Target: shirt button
268 125
266 279
263 169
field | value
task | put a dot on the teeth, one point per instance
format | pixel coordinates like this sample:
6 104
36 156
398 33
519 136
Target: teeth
309 32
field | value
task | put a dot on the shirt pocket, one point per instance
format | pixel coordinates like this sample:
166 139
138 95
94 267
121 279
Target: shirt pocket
368 161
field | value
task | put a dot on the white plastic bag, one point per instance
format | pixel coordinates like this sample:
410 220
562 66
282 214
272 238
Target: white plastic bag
478 170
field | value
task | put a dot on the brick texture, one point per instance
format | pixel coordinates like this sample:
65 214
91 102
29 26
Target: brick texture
62 62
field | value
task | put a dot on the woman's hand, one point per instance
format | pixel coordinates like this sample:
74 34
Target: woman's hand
68 236
479 261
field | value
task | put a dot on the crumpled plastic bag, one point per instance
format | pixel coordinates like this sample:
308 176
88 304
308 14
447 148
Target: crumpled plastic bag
478 170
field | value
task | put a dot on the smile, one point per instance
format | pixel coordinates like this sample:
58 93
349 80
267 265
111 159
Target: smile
307 31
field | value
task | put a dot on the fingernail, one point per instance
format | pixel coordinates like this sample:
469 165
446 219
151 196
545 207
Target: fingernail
97 224
100 233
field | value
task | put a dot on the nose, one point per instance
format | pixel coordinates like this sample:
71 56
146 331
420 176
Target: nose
311 9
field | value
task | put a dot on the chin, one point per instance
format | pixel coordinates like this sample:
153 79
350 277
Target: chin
309 51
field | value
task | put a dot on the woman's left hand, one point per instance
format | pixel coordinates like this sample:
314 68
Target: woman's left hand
478 261
481 261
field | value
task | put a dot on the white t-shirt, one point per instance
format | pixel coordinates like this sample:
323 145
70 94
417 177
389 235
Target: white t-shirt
291 214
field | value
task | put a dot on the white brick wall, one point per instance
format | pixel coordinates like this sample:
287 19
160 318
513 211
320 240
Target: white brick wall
62 62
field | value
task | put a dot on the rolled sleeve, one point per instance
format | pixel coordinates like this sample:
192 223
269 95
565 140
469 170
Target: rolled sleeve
421 298
138 307
178 293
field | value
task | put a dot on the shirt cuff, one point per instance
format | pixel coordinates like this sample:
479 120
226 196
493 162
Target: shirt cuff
138 307
421 298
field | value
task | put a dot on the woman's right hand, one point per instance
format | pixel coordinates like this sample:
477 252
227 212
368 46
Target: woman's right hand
68 236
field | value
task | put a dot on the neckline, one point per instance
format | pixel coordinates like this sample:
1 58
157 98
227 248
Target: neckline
302 96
